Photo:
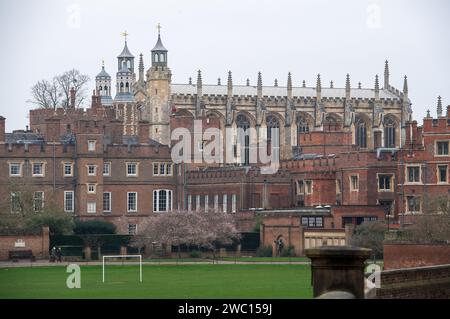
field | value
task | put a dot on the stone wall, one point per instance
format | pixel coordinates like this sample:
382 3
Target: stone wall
406 255
414 283
38 244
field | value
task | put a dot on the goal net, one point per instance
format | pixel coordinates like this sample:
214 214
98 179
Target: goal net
122 257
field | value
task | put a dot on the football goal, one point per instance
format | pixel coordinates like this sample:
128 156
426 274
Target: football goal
124 257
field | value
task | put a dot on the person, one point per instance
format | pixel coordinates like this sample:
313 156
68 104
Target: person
53 254
59 254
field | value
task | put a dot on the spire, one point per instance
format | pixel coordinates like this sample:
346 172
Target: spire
386 74
259 85
377 88
141 68
347 86
229 84
359 85
190 81
405 86
199 82
304 84
218 81
318 84
428 113
159 52
275 83
318 88
125 51
439 106
331 84
289 86
248 82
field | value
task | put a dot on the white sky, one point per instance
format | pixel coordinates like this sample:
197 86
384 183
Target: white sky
43 38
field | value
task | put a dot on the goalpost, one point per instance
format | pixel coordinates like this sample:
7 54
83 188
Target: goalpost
124 256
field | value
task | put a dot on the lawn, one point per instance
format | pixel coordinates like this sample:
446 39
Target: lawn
165 281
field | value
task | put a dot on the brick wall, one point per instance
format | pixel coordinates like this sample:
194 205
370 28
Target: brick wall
39 244
413 283
397 255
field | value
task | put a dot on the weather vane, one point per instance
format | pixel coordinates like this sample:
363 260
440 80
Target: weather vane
158 26
125 34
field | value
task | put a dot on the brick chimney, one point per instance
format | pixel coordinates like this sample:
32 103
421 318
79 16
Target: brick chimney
96 100
52 129
144 131
115 130
72 97
2 129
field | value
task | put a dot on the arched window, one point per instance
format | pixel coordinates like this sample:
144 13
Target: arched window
121 86
389 132
243 124
271 122
127 86
161 57
156 57
105 90
129 64
360 133
302 125
331 123
273 133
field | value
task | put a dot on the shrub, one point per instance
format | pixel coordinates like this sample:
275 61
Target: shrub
195 254
264 251
288 251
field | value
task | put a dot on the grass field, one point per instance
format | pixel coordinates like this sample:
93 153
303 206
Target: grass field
165 281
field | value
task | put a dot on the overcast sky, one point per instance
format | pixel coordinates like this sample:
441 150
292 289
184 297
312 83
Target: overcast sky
46 37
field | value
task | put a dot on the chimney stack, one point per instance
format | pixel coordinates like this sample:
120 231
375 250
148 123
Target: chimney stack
52 129
115 131
144 131
2 129
96 100
72 97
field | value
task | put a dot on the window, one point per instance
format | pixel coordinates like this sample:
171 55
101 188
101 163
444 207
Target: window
233 203
442 148
304 187
206 203
91 145
354 184
385 182
162 200
15 202
413 204
91 207
162 169
107 201
131 169
413 174
312 221
197 203
132 229
67 167
338 186
442 174
389 132
68 201
92 170
132 201
361 133
388 205
38 169
91 188
224 203
15 169
302 125
216 202
38 201
106 169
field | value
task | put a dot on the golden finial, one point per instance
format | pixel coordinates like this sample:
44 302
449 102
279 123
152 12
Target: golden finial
125 34
158 26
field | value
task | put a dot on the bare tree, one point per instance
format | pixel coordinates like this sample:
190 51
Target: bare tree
370 235
434 224
187 228
46 94
56 93
73 79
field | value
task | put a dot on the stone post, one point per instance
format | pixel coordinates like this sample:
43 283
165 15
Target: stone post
338 271
123 250
87 253
45 241
238 250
